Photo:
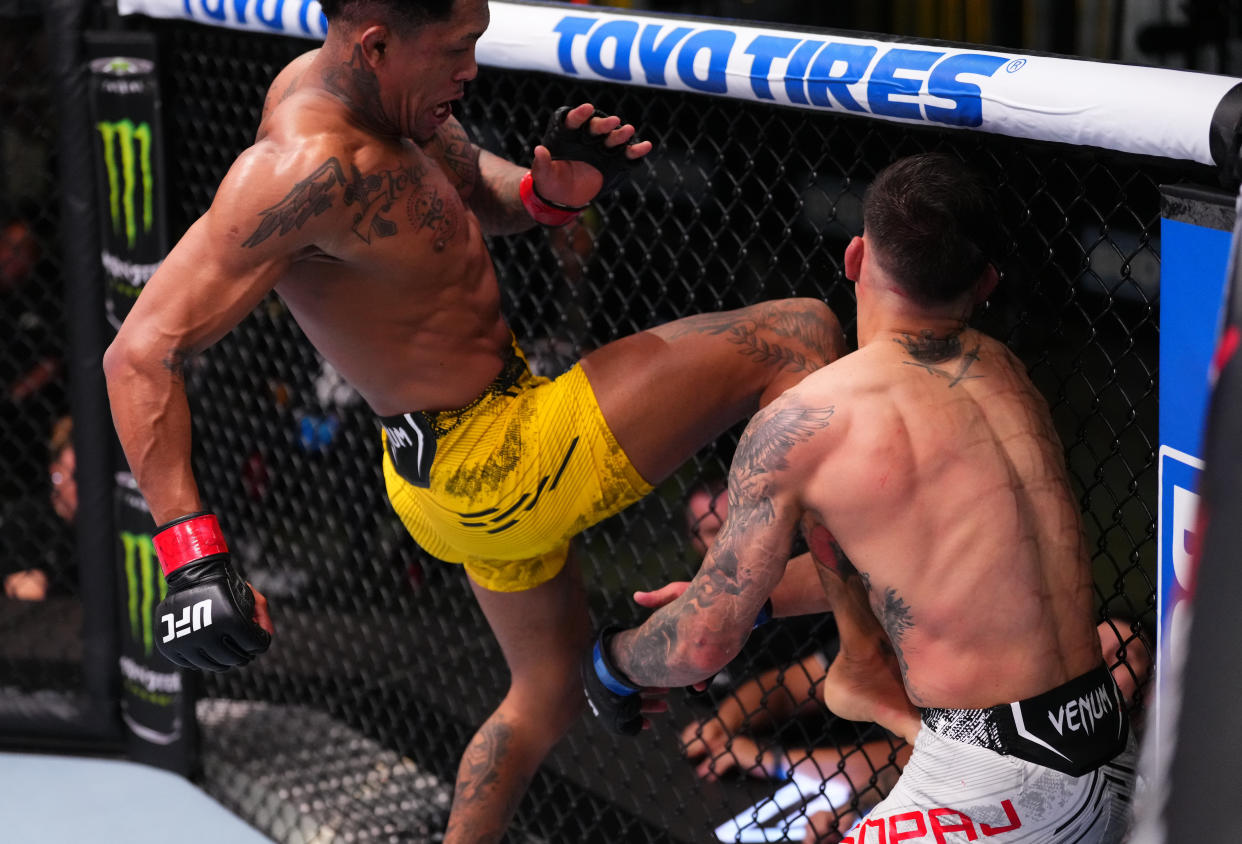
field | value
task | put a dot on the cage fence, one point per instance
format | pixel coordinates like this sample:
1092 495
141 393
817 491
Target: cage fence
384 665
740 202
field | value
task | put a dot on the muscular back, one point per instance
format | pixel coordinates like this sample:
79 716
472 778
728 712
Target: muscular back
944 482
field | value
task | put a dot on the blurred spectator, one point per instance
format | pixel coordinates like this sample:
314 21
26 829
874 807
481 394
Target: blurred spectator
31 334
706 506
36 533
27 122
725 741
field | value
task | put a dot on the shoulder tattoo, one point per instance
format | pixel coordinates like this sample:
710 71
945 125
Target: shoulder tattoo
372 196
309 198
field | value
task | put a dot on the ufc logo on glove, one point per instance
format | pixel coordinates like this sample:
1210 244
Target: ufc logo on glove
192 618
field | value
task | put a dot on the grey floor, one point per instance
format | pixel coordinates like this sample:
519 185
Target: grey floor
48 799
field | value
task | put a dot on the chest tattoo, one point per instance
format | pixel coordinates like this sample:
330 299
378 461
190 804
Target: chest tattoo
428 210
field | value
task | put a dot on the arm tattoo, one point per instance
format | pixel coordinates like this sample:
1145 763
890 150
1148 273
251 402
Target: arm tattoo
178 363
764 447
460 157
738 572
928 350
495 199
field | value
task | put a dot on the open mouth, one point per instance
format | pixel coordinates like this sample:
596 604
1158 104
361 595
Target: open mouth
443 111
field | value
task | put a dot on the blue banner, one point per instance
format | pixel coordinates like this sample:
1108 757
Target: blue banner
1195 244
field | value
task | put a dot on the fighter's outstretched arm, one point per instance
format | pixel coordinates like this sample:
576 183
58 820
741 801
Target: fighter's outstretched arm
697 634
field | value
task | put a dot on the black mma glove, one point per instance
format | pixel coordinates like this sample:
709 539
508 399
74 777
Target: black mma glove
206 620
580 144
613 697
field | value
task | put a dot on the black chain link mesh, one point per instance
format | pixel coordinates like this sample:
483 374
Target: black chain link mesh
741 202
40 644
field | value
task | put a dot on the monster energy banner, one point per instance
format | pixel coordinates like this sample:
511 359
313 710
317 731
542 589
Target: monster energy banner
125 108
157 707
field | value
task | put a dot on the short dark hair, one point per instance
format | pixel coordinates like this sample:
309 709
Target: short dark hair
932 226
412 13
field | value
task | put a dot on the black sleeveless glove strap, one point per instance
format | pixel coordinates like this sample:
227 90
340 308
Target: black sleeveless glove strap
613 698
206 619
580 145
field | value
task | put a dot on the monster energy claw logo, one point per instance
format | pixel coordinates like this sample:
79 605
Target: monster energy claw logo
119 140
145 586
121 66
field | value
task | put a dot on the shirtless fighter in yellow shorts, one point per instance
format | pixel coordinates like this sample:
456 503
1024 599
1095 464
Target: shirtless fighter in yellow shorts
364 205
515 475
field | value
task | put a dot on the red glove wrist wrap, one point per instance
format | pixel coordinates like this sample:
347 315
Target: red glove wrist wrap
188 540
541 210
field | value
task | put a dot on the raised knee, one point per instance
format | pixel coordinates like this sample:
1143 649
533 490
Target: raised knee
810 321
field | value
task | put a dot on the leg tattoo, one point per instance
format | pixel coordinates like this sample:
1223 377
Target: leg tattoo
487 792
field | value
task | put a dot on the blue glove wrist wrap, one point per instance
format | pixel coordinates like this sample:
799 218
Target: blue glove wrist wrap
614 684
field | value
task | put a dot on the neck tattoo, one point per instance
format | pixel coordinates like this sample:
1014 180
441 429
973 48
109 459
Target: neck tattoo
928 348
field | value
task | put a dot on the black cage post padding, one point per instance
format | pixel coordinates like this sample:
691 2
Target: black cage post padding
1225 138
93 433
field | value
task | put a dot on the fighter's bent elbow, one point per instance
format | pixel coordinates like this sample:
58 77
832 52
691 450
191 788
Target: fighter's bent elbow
708 651
127 358
118 360
112 360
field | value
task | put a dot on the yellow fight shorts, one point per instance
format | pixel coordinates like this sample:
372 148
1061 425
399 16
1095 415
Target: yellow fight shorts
504 483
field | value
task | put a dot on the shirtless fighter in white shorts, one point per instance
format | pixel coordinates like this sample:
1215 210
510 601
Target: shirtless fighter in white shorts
965 603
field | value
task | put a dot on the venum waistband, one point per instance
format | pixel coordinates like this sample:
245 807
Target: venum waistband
1074 728
412 436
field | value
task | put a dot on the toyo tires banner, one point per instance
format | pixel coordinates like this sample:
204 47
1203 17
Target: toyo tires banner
1150 111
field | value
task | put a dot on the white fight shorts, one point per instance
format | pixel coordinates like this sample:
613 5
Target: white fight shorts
968 780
